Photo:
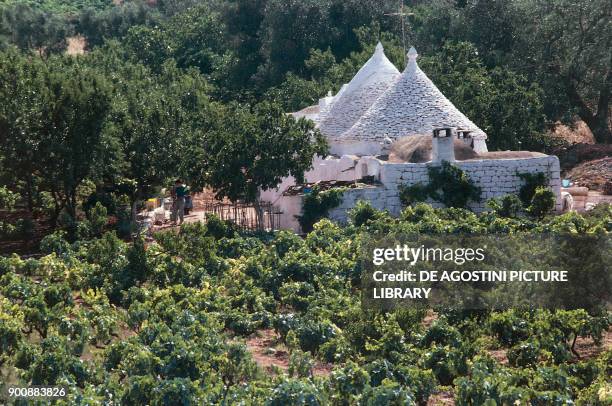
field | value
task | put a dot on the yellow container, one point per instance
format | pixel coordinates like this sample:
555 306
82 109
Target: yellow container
151 204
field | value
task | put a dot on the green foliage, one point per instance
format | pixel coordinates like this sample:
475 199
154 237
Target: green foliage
97 217
388 393
295 392
317 205
542 202
167 320
63 6
75 146
501 101
363 213
238 166
448 184
508 206
532 182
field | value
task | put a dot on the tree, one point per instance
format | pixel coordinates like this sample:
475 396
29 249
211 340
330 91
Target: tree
23 93
76 146
33 29
568 47
501 102
256 149
52 126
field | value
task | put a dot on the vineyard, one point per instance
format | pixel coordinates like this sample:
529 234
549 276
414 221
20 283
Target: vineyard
173 321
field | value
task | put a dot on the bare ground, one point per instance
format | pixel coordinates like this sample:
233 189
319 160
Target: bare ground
592 174
271 355
76 45
580 133
587 349
443 398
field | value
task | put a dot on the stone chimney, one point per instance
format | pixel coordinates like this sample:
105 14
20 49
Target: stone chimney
442 143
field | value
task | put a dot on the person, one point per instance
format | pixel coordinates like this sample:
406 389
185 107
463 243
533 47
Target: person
179 192
188 201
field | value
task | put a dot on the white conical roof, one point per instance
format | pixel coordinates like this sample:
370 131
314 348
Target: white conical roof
412 105
359 94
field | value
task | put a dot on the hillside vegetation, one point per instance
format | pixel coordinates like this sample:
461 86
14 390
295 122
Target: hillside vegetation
167 322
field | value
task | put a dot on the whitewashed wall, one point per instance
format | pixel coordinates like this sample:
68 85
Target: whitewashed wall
329 168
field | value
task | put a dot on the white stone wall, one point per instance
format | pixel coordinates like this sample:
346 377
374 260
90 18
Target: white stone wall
330 168
497 178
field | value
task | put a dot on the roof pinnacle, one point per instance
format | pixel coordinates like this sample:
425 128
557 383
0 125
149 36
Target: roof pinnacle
412 53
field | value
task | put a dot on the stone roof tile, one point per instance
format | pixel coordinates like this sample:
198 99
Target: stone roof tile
354 99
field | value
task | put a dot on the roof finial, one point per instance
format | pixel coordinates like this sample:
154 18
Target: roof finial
412 53
379 48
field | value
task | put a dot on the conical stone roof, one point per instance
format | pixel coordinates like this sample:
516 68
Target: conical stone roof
412 105
376 76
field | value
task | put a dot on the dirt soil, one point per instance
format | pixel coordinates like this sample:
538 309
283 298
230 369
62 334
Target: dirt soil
578 133
573 155
76 45
587 349
269 353
592 174
443 398
418 149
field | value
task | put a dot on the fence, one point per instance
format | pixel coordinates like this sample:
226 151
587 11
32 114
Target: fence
243 215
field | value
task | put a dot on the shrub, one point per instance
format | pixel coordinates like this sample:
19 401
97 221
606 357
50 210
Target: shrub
98 218
507 206
388 393
55 243
362 213
317 205
349 382
448 184
338 349
508 328
532 182
542 203
286 241
298 392
217 228
297 294
300 364
525 354
421 382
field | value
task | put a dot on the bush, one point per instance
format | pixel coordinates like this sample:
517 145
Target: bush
421 382
362 213
217 228
448 184
297 294
388 393
348 382
507 206
532 182
98 218
317 205
525 354
508 328
542 203
55 243
298 392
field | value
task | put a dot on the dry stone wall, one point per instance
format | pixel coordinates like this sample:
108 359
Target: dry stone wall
497 178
